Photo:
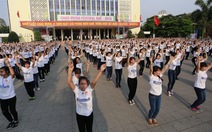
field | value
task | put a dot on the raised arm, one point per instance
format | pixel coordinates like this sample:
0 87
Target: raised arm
198 64
87 68
93 84
167 65
12 73
20 67
70 82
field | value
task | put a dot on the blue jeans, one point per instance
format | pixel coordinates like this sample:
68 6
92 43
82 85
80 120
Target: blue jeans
155 102
36 80
109 72
172 79
201 97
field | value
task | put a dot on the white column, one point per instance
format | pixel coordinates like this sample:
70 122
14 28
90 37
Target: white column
104 33
108 33
62 35
72 37
91 34
99 33
54 34
81 34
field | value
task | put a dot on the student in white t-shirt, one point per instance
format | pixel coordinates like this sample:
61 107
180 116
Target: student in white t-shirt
1 61
118 68
40 61
84 99
155 90
7 94
132 78
200 84
109 65
142 62
28 78
35 71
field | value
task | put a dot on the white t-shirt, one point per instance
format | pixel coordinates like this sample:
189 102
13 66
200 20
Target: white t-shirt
109 61
7 87
173 65
155 85
118 65
46 59
12 61
1 62
103 58
84 101
28 74
41 62
35 68
157 62
75 81
200 80
132 70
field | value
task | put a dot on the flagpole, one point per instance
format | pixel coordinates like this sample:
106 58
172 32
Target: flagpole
153 30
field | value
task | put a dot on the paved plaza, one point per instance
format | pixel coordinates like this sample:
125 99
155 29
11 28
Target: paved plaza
54 107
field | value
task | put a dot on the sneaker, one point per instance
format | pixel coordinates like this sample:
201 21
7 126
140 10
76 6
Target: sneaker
119 85
15 124
172 92
154 122
33 98
43 80
130 102
133 102
38 88
169 94
10 125
193 109
110 78
198 107
34 89
150 121
30 98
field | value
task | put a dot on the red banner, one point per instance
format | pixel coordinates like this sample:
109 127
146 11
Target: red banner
77 24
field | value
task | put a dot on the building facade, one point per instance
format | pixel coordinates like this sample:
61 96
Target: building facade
74 19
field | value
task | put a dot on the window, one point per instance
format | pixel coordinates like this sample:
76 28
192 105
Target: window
83 7
88 7
78 7
57 8
62 7
94 7
103 7
67 7
73 7
112 7
107 8
51 10
116 6
98 7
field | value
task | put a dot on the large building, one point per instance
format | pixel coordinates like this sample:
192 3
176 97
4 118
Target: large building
74 19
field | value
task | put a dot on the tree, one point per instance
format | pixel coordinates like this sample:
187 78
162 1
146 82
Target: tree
205 13
13 37
4 29
129 34
37 36
141 34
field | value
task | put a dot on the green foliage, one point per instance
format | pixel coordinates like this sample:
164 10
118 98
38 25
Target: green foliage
13 37
5 40
37 36
141 34
171 26
4 29
129 34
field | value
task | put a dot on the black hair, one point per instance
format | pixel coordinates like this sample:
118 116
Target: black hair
6 69
172 53
26 62
131 58
77 71
1 56
84 78
156 68
203 64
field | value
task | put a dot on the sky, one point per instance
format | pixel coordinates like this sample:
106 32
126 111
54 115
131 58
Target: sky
148 7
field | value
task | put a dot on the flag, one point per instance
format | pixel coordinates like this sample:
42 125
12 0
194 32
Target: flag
157 21
18 14
140 18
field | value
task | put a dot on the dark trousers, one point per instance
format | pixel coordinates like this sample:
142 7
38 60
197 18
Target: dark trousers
36 80
142 64
172 79
201 97
109 72
85 123
46 68
193 60
98 64
91 58
155 102
132 84
94 60
167 59
29 86
193 72
8 108
187 55
147 62
124 61
118 76
178 70
41 72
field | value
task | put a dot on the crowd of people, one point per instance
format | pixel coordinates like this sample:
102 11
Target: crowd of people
28 63
31 62
158 55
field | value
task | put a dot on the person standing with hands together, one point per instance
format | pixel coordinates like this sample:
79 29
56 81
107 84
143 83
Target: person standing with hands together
84 98
155 92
